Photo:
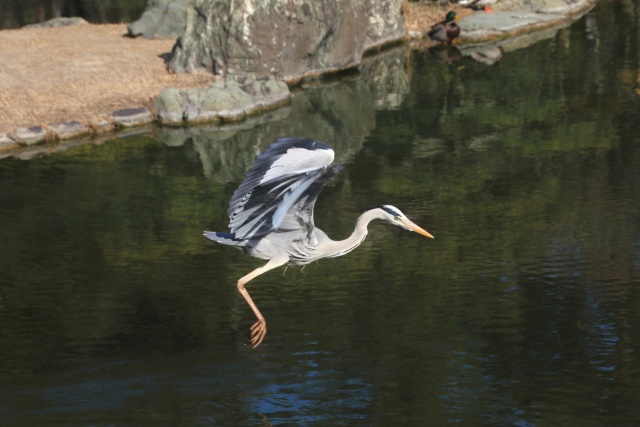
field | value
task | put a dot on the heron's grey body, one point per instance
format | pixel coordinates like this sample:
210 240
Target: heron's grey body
271 213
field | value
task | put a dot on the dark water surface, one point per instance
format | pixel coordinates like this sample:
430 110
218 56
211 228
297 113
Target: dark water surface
524 311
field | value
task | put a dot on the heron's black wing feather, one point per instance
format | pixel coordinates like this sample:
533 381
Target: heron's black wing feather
278 185
265 162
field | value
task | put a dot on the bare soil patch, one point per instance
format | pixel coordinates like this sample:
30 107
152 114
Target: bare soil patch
52 75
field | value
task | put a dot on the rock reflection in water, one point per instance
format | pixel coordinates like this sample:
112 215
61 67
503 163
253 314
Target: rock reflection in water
340 112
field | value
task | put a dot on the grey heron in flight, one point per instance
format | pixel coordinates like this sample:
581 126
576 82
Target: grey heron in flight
271 213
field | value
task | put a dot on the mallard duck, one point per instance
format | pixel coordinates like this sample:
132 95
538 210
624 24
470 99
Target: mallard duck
479 4
445 31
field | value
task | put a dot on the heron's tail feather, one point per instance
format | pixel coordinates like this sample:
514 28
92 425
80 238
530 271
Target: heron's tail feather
224 238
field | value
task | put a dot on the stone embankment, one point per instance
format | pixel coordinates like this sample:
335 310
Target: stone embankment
225 38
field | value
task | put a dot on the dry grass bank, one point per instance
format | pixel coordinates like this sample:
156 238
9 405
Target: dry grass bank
76 73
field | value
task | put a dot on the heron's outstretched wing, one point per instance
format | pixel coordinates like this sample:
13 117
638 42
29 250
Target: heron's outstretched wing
281 188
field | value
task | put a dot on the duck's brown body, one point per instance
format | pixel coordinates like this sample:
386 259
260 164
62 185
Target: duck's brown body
445 31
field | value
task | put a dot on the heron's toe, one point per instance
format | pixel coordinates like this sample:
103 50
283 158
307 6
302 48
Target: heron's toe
258 332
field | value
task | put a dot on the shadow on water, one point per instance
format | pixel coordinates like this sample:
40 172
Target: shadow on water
523 311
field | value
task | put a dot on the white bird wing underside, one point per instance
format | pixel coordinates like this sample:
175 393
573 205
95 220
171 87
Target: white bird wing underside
280 189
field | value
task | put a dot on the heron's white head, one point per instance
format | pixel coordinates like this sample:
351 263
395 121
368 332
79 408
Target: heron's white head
396 217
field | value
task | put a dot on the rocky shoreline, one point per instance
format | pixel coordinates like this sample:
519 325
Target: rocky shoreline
241 95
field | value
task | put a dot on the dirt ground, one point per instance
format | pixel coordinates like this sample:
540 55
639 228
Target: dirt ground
54 75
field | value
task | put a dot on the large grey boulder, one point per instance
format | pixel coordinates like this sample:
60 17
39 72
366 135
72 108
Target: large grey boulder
386 23
68 130
161 19
131 117
6 142
544 6
223 101
59 22
519 18
29 135
289 39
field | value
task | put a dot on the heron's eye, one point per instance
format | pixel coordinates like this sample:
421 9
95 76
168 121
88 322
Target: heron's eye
397 218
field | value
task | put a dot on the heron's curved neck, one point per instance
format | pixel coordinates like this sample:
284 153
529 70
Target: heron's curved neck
342 247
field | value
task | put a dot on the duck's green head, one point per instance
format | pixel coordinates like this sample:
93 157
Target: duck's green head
451 16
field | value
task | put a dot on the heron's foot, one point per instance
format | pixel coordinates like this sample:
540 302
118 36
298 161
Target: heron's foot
258 331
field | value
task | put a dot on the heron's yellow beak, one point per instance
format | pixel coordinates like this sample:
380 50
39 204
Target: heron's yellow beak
413 227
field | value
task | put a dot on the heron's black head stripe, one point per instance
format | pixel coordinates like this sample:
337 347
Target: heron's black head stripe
391 211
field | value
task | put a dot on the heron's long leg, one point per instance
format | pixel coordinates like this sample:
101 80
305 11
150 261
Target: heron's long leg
259 329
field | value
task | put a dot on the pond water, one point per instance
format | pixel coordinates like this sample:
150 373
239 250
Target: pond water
524 311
